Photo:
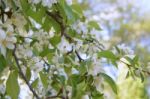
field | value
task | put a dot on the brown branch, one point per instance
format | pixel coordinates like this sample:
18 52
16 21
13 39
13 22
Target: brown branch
96 43
57 96
52 97
23 76
59 20
147 72
79 57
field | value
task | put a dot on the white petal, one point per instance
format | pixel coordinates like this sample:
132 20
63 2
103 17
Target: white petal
10 45
69 2
2 34
10 28
11 39
29 53
3 51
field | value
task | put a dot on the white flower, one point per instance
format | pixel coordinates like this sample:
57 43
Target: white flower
7 40
35 1
2 89
38 64
85 97
80 27
126 49
64 46
18 20
48 3
69 2
24 51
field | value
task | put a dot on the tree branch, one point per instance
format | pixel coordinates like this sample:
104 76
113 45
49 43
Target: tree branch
22 74
59 20
57 96
144 71
79 57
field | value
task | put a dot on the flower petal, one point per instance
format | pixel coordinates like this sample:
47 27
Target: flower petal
10 46
2 34
3 51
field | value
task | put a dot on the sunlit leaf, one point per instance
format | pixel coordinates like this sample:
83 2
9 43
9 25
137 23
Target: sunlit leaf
28 73
12 87
55 40
110 81
107 54
35 83
44 78
93 24
3 63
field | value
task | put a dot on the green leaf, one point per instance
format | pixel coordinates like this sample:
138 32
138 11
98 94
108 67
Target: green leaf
46 51
33 42
110 81
129 61
93 24
35 83
3 63
12 87
47 24
24 4
77 9
44 78
68 11
73 81
36 15
96 95
142 77
136 61
55 40
28 73
51 22
107 54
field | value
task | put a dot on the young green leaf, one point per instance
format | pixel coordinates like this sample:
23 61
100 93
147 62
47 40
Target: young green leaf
28 73
44 80
110 81
35 83
12 87
3 63
93 24
107 54
55 40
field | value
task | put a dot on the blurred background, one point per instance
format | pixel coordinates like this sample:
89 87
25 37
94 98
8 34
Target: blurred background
127 23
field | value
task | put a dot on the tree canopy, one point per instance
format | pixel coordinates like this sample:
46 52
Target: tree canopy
53 49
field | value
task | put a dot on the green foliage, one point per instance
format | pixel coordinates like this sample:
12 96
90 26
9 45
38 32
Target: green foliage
50 42
28 74
107 54
44 78
3 63
110 81
35 83
93 24
12 86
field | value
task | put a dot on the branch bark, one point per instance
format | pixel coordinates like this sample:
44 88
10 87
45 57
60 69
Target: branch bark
59 20
23 76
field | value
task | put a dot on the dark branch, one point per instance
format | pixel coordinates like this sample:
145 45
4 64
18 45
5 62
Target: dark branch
147 72
57 96
59 20
79 57
22 74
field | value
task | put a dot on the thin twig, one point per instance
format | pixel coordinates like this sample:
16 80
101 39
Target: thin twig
141 69
79 57
23 76
57 96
